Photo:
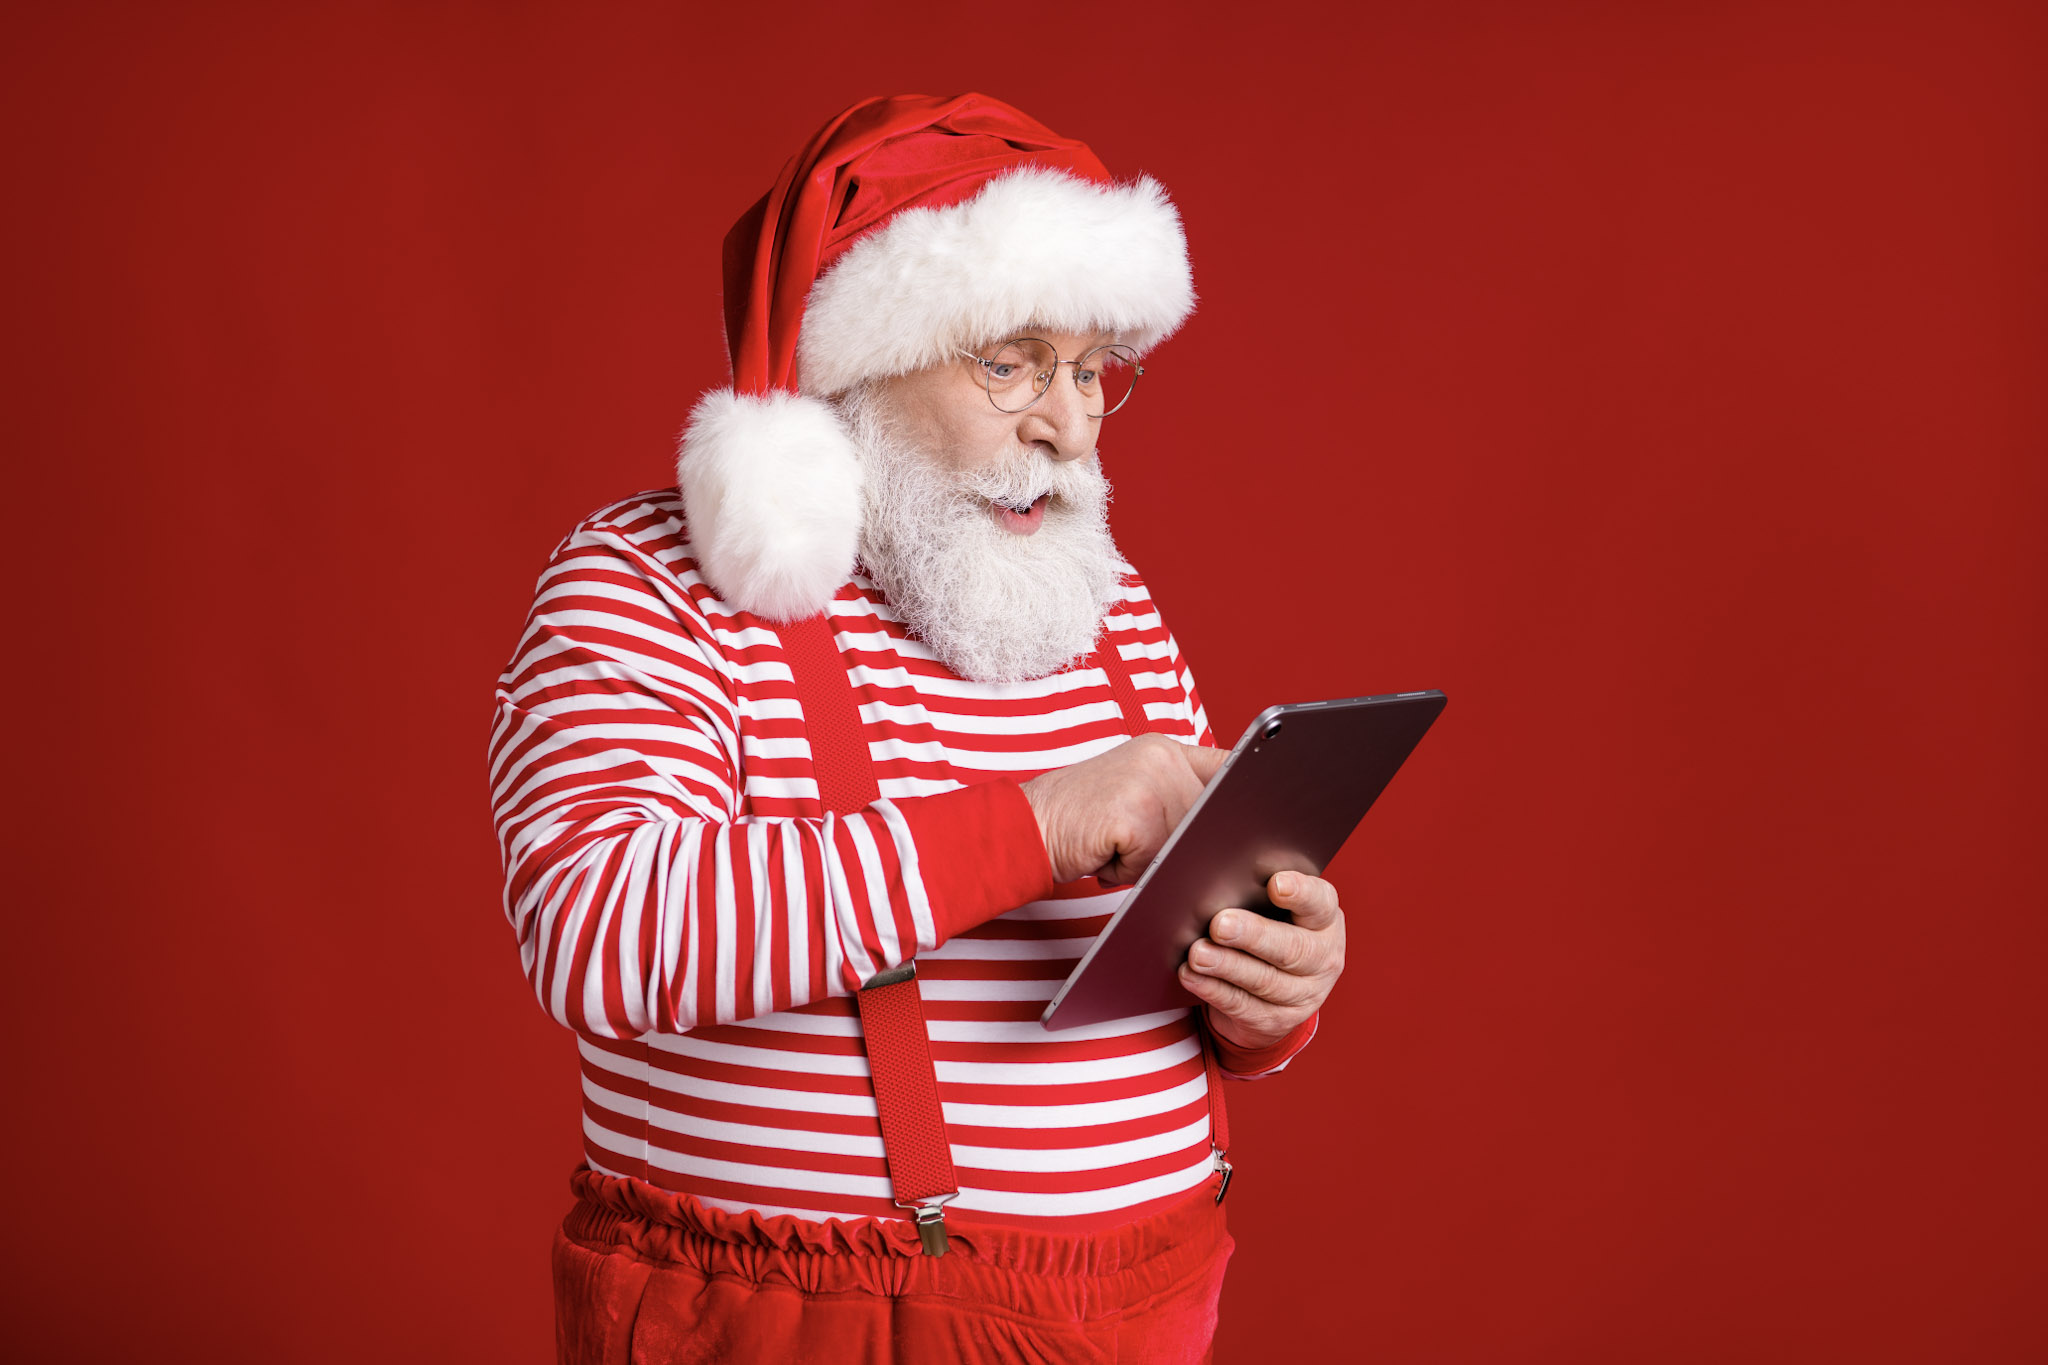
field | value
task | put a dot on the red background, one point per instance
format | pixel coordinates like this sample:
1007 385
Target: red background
1664 382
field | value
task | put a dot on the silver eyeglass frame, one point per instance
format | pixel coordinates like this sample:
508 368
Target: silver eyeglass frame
987 365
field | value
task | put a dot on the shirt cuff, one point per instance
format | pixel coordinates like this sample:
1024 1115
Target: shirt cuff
1245 1065
979 853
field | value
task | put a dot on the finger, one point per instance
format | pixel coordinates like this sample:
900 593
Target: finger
1240 1005
1295 950
1204 761
1311 900
1258 977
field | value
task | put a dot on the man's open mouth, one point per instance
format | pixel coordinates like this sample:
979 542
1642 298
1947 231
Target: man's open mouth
1021 518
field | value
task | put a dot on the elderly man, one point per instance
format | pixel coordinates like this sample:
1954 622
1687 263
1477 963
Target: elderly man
813 776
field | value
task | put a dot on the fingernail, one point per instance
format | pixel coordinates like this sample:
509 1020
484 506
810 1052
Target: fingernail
1283 885
1199 956
1226 926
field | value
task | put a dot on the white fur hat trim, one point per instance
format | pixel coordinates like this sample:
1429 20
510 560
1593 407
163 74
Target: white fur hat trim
1033 247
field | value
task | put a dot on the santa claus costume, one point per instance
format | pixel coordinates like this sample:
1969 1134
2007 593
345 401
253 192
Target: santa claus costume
768 855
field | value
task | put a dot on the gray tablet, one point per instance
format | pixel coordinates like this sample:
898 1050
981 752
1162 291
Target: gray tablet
1285 800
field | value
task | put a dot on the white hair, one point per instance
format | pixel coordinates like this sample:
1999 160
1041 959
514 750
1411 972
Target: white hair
991 605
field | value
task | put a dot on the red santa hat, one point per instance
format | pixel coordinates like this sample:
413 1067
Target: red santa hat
906 228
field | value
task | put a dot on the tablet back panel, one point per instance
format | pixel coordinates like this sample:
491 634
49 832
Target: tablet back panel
1282 802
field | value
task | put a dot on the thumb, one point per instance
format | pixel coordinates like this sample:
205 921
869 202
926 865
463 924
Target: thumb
1204 761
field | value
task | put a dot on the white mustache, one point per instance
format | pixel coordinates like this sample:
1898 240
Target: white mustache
1024 479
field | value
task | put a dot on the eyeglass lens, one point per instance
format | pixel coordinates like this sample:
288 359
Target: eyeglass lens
1020 371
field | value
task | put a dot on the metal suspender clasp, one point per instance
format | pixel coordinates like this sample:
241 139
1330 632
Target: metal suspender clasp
1223 1165
894 976
931 1224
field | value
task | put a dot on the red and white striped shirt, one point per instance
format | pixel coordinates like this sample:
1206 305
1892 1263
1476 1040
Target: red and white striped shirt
703 936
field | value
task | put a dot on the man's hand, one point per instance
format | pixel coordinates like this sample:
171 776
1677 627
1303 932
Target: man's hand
1111 814
1262 978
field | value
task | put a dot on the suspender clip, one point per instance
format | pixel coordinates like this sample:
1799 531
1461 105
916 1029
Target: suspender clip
931 1225
1223 1165
894 976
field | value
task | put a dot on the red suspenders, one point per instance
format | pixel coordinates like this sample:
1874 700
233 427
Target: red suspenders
899 1048
891 1010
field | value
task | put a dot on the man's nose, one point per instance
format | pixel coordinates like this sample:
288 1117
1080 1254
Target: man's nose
1060 421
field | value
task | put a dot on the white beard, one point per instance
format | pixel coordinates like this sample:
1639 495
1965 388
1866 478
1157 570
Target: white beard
992 606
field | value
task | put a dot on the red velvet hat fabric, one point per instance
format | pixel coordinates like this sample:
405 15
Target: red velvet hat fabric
874 160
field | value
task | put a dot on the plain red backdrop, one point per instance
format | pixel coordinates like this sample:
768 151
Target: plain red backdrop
1665 382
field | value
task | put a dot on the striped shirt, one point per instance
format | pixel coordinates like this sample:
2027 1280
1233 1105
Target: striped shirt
680 904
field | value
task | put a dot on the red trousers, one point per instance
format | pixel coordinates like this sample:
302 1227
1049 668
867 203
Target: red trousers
644 1275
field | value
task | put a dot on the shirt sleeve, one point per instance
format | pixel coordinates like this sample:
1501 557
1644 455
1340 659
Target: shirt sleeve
1240 1064
643 899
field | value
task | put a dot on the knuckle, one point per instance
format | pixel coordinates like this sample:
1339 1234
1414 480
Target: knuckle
1125 826
1236 967
1293 949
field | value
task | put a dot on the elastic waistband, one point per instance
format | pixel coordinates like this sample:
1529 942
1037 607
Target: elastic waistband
884 1255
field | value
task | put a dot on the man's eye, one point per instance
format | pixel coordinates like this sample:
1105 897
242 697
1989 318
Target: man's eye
1002 370
1088 377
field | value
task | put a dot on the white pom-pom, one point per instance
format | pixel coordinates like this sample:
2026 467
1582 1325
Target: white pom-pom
772 491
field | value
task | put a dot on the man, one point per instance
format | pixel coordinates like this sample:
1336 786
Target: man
887 571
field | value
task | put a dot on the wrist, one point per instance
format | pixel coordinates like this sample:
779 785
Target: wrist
1038 795
1033 796
1244 1054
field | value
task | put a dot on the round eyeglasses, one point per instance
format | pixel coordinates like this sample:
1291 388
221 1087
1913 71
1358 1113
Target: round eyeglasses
1021 371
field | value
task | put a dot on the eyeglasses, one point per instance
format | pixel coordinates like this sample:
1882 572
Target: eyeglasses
1022 371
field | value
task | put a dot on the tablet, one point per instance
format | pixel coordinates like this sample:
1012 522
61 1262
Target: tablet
1286 799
